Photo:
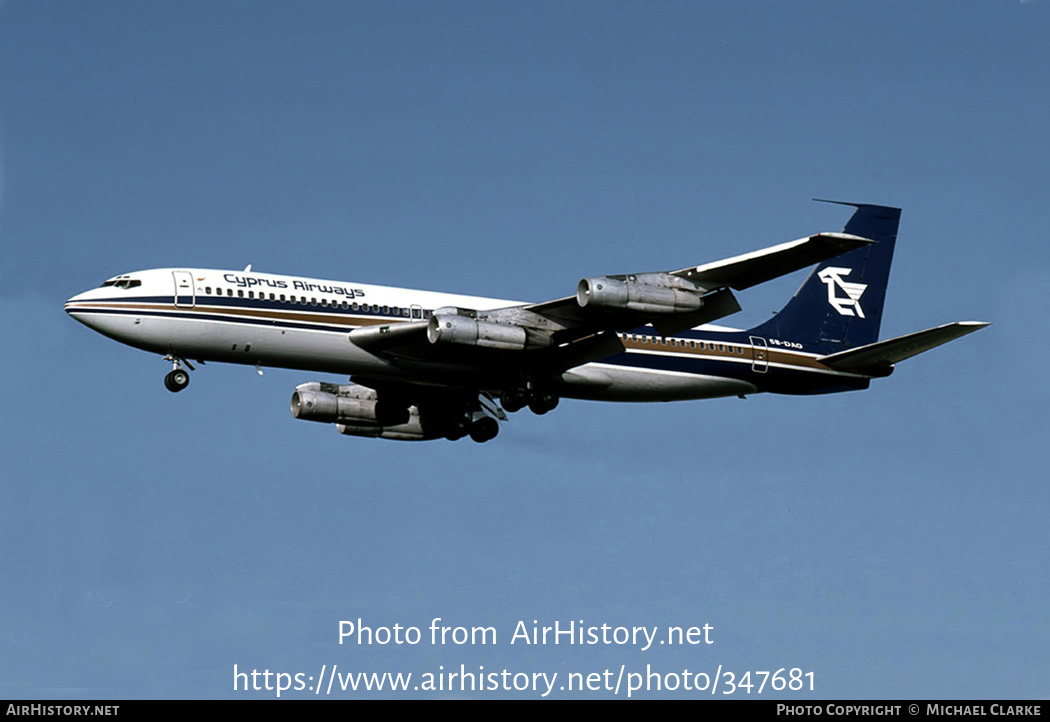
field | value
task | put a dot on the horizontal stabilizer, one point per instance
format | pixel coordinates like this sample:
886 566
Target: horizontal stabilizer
751 269
883 354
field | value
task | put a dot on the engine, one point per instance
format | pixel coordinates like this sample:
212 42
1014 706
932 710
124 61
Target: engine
462 329
648 293
329 403
360 411
357 411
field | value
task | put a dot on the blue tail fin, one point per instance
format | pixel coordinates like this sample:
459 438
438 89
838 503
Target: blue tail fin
839 306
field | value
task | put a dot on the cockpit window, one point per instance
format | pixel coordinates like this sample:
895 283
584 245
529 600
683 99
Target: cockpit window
122 283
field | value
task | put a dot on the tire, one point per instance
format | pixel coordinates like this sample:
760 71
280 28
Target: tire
542 402
176 380
513 399
484 429
457 429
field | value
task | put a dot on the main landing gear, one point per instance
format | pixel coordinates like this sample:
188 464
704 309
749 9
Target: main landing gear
476 425
484 429
539 400
477 417
178 378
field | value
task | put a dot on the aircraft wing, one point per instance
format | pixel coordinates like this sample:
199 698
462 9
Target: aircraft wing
751 269
710 281
566 332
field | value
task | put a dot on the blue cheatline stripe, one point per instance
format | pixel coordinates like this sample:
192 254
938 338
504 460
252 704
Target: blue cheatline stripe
204 316
263 304
642 359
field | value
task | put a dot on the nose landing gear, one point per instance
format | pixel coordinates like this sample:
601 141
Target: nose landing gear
178 378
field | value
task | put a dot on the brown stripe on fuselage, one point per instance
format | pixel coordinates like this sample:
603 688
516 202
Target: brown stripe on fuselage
655 344
234 312
777 356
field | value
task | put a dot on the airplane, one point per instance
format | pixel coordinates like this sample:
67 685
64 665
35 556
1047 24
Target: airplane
427 365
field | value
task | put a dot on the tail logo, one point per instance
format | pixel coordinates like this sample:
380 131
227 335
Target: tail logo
850 305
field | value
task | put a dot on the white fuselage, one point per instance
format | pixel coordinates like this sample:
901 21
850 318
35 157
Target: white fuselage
291 322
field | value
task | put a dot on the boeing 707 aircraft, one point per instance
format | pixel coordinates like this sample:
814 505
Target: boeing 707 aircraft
428 365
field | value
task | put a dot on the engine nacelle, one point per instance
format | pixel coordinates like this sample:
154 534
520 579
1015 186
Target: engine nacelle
467 331
329 403
412 431
662 293
357 411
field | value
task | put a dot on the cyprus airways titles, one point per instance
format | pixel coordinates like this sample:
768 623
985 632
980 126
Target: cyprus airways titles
295 284
428 365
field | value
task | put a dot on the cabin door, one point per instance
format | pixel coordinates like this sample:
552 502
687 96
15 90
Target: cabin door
185 296
760 355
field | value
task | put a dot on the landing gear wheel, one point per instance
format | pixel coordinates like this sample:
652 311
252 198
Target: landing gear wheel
514 399
542 402
176 380
484 429
457 429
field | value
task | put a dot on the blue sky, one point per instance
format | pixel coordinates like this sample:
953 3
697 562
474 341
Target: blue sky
891 541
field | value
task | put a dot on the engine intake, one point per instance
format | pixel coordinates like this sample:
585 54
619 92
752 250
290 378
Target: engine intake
328 403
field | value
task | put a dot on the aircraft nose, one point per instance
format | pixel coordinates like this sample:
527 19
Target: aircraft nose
78 307
73 302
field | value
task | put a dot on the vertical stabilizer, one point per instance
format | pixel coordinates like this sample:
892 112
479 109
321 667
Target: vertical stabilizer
839 306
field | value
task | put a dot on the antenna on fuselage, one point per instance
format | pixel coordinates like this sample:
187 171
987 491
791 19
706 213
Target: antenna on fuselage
247 269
